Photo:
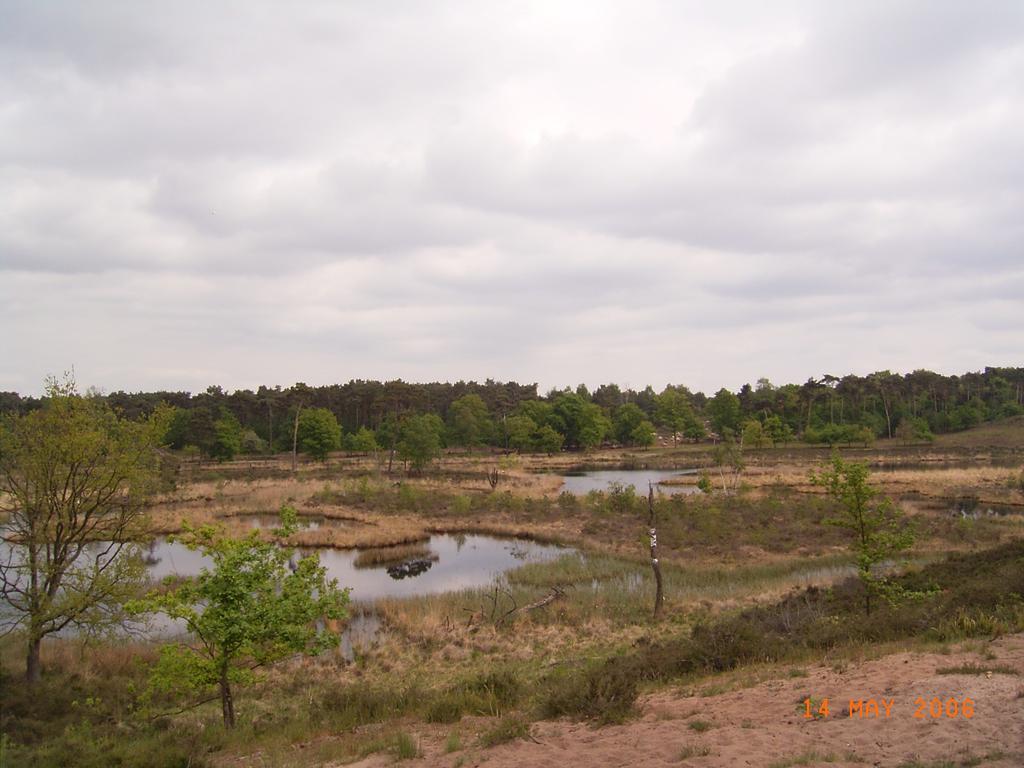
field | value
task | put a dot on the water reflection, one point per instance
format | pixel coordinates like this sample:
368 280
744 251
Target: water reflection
270 521
581 483
449 563
409 569
459 561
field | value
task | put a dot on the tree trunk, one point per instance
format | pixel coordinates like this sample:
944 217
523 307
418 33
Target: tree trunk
659 596
295 440
33 669
227 704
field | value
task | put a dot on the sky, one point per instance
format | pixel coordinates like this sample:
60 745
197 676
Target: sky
245 193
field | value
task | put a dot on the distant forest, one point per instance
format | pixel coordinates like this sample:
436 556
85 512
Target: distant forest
365 415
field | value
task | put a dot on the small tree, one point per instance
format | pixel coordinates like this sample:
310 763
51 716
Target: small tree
73 479
627 418
420 440
672 410
469 422
364 441
755 436
519 431
548 440
643 434
880 531
227 440
252 607
728 457
778 430
724 411
319 433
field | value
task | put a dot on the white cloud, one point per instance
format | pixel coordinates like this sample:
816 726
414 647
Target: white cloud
249 193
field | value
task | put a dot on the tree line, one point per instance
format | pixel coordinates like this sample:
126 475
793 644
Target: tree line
417 420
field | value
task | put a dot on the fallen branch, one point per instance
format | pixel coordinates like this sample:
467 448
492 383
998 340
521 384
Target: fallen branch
556 592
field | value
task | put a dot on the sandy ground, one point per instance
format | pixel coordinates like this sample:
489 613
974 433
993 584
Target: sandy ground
765 725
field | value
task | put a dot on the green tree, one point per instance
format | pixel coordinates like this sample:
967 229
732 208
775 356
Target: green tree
778 430
913 428
879 530
319 433
593 426
253 606
420 441
227 439
582 423
519 432
469 422
755 436
724 411
548 440
694 428
364 441
643 434
728 457
627 418
673 410
253 443
73 480
541 413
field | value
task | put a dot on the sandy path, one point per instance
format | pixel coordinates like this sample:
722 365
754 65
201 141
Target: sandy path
765 724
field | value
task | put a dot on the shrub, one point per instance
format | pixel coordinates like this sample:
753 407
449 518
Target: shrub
605 692
507 729
446 708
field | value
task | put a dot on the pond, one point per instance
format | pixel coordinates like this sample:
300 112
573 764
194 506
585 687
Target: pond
273 520
443 563
581 483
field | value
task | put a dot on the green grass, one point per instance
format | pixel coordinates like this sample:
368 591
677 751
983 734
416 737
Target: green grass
967 762
405 746
615 589
700 726
977 669
813 756
508 728
453 743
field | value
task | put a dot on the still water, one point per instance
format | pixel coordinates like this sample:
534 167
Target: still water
453 562
581 483
446 563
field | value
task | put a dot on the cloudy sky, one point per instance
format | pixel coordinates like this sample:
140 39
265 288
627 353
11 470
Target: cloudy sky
245 193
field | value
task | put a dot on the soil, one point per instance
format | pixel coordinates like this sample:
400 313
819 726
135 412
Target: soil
766 724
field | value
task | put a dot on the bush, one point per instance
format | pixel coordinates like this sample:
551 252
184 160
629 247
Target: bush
446 708
358 704
507 729
604 692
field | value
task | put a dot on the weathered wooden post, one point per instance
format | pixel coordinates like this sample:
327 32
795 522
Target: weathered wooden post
659 595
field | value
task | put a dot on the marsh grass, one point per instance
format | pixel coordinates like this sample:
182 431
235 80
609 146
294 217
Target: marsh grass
381 556
600 588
